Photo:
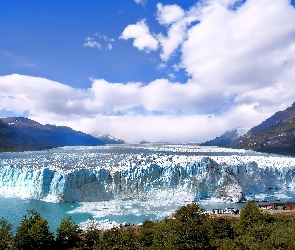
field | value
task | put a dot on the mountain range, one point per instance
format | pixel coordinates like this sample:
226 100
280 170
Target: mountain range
107 138
23 134
274 135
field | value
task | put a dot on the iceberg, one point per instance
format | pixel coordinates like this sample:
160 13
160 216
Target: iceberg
94 174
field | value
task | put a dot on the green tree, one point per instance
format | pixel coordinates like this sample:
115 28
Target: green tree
129 241
68 234
146 236
119 239
5 234
282 235
191 213
33 233
221 230
250 215
111 239
91 237
165 233
193 231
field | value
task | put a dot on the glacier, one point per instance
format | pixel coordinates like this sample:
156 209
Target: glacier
95 174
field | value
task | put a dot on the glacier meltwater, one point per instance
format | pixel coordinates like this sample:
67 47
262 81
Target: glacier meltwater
167 172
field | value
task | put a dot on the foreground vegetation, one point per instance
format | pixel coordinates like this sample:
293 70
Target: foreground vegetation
190 228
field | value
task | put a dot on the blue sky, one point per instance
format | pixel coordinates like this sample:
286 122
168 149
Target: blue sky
147 70
46 38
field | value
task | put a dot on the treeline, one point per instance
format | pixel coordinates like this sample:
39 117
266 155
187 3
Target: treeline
190 228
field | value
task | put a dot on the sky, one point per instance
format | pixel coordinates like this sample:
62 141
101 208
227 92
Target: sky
173 71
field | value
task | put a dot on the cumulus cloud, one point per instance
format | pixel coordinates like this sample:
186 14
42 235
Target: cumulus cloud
174 18
175 37
115 108
168 14
245 52
143 39
236 53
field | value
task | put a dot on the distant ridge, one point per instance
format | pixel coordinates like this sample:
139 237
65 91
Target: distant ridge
229 139
22 134
107 138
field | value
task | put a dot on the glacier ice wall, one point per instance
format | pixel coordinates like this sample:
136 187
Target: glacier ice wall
106 173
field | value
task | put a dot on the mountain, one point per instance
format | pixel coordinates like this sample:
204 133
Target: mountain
107 138
21 134
275 135
11 140
229 139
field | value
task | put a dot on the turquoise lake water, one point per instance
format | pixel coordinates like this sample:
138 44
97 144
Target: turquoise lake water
112 212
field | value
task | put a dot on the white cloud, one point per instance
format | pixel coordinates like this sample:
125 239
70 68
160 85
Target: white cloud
176 36
171 76
168 14
174 18
90 42
142 2
104 41
235 53
243 53
98 107
162 65
176 67
135 128
241 64
143 40
107 39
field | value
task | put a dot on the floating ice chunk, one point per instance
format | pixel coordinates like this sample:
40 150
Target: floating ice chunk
100 225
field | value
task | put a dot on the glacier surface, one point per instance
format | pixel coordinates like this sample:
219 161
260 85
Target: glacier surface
164 172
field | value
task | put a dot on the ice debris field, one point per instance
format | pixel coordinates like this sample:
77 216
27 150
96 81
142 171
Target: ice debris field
144 172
